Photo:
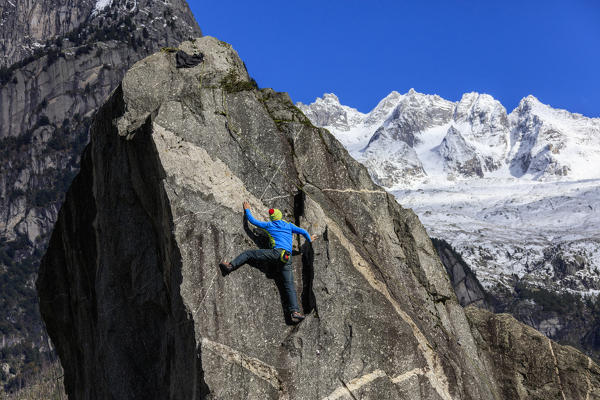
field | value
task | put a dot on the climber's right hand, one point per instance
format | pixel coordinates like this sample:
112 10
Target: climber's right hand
246 205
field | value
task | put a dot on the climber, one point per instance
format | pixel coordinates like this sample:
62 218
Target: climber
280 235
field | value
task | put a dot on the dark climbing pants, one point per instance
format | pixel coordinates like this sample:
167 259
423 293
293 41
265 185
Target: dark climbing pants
287 272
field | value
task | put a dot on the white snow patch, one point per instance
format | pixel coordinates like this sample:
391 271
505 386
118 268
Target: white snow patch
101 5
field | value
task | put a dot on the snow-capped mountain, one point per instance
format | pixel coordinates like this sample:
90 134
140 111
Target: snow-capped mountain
328 111
472 137
516 194
546 142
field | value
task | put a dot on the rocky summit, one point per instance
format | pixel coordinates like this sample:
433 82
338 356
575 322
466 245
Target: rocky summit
133 299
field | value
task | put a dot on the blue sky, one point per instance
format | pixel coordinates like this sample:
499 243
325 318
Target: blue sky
362 50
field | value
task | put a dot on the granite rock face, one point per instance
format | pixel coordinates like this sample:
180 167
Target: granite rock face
130 290
29 26
63 59
26 25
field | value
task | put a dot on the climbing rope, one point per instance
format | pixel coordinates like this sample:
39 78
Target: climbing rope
235 135
239 137
229 243
273 177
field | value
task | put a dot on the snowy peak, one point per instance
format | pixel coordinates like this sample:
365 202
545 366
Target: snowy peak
482 112
425 104
458 155
383 109
330 98
530 105
529 101
548 143
414 113
483 122
329 113
534 141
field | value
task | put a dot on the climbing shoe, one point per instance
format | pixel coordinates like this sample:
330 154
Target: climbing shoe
296 316
225 268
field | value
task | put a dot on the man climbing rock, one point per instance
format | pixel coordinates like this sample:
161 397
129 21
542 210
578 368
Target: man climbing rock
280 235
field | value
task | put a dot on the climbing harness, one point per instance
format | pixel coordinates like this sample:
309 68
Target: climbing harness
284 257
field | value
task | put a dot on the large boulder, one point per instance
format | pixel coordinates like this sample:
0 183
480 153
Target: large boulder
130 289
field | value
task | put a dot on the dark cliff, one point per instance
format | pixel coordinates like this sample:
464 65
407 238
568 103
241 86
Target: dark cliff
467 287
61 61
29 26
130 291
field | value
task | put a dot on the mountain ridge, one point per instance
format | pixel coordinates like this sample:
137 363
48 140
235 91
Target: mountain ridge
480 119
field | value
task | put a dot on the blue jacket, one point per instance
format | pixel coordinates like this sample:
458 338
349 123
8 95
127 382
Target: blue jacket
280 232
